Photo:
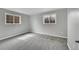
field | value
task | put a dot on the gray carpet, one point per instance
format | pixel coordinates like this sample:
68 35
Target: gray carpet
33 41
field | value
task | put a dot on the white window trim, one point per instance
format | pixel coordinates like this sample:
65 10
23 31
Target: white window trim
13 17
49 20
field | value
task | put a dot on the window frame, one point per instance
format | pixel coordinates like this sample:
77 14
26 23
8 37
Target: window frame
48 15
13 18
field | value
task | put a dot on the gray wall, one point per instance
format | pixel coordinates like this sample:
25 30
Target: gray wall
9 30
73 28
58 29
35 24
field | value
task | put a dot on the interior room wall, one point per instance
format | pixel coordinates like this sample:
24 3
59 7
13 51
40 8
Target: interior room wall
9 30
73 28
59 29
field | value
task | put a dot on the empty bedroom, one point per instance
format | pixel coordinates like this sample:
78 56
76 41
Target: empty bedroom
33 29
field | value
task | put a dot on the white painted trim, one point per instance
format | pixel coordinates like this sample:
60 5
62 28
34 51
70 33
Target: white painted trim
51 35
13 17
68 45
49 20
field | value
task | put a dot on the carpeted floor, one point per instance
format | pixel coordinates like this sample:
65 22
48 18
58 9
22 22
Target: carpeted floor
33 41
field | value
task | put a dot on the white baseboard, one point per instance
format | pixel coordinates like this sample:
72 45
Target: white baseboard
51 35
11 36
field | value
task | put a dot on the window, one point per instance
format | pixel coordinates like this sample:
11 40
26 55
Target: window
12 19
49 19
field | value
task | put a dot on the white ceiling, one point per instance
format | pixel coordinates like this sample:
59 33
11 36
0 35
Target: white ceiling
31 11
